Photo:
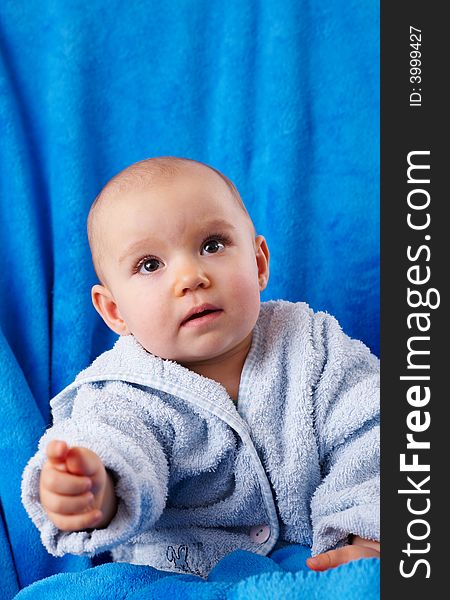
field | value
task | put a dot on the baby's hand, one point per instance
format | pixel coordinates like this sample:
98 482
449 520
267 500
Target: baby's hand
75 489
358 548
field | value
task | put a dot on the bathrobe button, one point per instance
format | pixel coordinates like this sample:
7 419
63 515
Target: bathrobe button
260 533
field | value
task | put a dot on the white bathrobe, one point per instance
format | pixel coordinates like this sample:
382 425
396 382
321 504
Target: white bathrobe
197 476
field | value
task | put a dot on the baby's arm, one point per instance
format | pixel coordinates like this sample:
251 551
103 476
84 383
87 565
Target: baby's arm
358 548
75 489
346 410
114 421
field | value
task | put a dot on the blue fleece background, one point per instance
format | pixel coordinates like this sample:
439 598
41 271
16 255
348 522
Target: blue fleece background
282 96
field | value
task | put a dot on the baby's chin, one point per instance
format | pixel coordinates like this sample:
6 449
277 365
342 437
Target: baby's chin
210 352
191 360
182 359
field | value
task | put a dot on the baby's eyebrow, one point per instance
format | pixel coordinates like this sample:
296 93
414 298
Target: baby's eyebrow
219 223
207 226
134 248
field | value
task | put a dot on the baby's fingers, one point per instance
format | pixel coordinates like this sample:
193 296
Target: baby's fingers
67 505
334 558
56 453
82 461
59 482
80 522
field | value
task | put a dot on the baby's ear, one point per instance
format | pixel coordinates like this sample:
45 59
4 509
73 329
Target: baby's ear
262 260
106 306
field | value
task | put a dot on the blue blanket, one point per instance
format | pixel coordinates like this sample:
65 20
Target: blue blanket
282 96
238 576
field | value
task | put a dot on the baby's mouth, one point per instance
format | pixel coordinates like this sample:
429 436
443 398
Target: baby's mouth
200 312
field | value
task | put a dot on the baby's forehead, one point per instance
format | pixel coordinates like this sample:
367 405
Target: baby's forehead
134 190
136 180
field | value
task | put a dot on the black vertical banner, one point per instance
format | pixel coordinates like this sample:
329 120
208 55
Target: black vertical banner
415 169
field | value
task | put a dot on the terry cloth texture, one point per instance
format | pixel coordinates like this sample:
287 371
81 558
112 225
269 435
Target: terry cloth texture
195 474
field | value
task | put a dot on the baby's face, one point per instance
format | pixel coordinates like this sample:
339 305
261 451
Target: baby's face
173 247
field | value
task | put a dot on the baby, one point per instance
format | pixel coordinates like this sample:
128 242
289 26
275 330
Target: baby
216 422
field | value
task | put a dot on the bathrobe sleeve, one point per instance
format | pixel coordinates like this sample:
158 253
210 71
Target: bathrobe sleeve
114 421
346 418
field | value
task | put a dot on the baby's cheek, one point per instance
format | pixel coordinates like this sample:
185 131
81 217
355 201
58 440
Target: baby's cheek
151 328
245 294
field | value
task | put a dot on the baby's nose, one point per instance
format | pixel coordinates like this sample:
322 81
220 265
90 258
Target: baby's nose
190 276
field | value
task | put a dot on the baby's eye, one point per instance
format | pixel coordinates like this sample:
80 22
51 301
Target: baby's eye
148 265
213 246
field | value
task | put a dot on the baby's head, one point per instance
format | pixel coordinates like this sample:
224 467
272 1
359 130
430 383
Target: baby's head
169 235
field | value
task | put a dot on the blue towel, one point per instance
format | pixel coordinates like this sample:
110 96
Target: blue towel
238 576
283 97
